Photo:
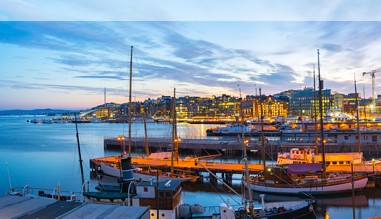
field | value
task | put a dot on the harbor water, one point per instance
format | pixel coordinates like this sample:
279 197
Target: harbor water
46 155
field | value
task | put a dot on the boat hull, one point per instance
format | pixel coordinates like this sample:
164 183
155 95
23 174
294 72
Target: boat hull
306 212
313 189
274 210
115 172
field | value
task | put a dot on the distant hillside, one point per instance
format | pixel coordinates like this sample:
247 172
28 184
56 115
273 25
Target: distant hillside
37 112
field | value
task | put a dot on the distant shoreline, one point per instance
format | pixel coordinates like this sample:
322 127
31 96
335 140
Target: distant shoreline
42 112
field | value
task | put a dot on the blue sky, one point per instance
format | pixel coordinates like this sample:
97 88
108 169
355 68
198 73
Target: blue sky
63 55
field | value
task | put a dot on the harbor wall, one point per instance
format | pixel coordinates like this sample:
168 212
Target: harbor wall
234 147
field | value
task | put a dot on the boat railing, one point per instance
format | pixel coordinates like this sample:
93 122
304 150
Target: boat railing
54 193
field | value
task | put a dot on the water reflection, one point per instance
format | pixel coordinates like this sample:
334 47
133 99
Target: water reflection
45 155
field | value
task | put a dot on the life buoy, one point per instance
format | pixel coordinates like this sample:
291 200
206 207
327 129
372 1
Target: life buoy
295 156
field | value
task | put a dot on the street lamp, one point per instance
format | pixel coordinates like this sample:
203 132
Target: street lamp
121 138
176 141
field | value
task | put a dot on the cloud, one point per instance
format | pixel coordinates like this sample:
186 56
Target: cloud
101 77
274 55
332 47
172 10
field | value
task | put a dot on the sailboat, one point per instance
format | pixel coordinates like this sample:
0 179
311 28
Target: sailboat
307 178
273 210
305 154
116 169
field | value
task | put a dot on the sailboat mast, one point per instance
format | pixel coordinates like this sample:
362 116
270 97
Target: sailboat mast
262 132
175 127
244 145
145 134
315 116
321 116
174 131
130 108
79 150
357 118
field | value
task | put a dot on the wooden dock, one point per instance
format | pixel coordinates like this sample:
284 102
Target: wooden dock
223 167
186 164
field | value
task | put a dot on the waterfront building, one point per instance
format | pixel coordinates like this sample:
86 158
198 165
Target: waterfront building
302 102
226 108
271 106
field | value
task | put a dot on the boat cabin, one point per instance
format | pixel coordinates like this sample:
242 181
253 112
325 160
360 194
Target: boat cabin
297 155
293 173
307 155
277 175
162 195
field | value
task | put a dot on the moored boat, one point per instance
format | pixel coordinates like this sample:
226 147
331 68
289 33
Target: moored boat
307 155
300 179
140 174
233 129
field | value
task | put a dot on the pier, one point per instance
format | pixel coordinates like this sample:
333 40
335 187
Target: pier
233 146
229 147
191 165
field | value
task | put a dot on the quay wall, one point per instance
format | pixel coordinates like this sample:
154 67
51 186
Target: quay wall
234 147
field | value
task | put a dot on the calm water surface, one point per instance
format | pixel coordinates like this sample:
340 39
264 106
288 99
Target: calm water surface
45 155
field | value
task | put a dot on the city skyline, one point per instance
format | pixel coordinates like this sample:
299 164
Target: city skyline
67 62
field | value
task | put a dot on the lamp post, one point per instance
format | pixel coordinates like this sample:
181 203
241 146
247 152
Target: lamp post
177 140
121 138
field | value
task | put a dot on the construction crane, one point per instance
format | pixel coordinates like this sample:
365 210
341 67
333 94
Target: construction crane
372 74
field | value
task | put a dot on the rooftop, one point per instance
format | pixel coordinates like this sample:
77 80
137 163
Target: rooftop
27 207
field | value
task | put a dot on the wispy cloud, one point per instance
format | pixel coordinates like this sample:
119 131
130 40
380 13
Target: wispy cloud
274 55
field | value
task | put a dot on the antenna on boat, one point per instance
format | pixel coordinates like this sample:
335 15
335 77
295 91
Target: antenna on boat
321 115
79 149
357 118
129 109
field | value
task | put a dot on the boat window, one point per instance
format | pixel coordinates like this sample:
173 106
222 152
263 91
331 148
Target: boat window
341 162
334 162
145 189
348 162
346 137
308 152
374 138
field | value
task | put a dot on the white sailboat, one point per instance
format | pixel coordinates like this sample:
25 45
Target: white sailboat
307 178
116 169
